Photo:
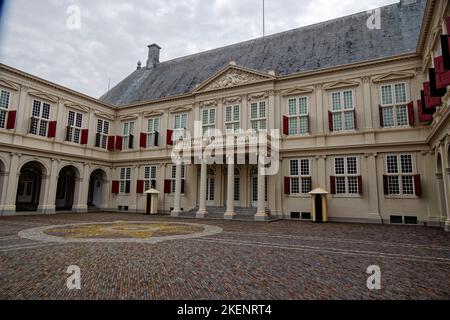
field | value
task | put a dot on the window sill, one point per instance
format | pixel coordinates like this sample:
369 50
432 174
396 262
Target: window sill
299 195
347 196
406 196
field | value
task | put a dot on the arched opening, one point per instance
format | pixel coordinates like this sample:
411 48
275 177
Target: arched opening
96 182
65 189
29 187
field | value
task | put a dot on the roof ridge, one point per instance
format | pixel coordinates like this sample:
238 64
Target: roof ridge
273 35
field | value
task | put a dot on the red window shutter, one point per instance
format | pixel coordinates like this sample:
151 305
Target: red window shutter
330 120
287 185
143 140
84 136
333 184
170 137
442 75
111 142
431 101
285 125
417 185
360 186
411 113
423 117
447 24
381 116
385 184
119 142
445 47
140 186
11 122
355 122
51 129
115 187
167 186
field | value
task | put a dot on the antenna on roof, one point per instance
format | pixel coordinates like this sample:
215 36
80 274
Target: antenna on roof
264 23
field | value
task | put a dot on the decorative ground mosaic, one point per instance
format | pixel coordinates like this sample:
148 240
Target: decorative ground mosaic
119 231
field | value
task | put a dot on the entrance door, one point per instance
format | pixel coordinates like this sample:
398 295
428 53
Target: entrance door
318 204
28 188
210 191
95 189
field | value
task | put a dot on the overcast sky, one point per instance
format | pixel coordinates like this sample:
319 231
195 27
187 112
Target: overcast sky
114 34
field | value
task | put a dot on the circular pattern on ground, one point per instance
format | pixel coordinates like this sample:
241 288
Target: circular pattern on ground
119 231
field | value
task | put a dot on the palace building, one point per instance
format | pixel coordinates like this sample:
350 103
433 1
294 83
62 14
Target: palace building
363 114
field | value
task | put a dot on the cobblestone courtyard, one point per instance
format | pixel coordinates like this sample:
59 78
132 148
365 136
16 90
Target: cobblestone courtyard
244 260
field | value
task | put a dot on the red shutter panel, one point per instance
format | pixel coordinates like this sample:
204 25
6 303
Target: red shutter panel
411 113
287 185
143 140
447 24
11 122
111 142
330 120
119 142
333 184
285 125
381 116
445 47
115 187
360 186
140 186
167 186
423 117
51 129
355 122
84 136
385 185
417 185
430 100
442 75
169 137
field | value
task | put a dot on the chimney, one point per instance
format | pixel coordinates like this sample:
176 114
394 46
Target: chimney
153 55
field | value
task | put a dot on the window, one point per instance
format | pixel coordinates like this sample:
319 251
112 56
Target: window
258 115
128 135
74 125
394 107
208 121
179 126
174 170
101 139
125 180
149 177
40 118
346 175
400 174
4 105
343 111
298 115
152 131
300 176
232 118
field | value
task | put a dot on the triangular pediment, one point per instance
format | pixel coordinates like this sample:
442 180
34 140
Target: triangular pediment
392 76
77 106
9 84
341 84
296 91
44 96
233 76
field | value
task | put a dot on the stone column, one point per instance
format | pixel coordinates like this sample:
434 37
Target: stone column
44 206
229 213
54 176
177 199
372 192
11 181
446 183
82 190
261 214
201 213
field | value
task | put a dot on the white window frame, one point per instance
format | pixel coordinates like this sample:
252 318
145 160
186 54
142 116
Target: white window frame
150 174
127 131
179 131
347 177
40 121
4 107
74 127
153 125
297 116
342 110
125 175
300 177
210 124
234 124
173 176
394 105
399 174
102 133
258 120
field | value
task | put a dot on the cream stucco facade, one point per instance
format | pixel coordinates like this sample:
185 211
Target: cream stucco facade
31 164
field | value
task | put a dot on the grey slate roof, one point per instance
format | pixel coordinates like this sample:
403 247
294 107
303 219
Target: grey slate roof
323 45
